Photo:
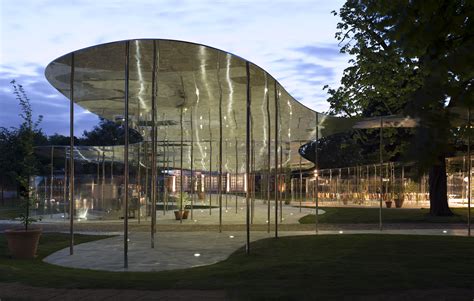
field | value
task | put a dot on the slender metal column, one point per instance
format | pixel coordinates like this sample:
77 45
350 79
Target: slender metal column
138 179
219 185
251 184
153 146
147 164
393 180
348 182
316 180
403 182
102 192
331 190
125 159
236 175
381 175
210 168
45 194
281 181
247 160
192 166
227 176
139 176
293 193
181 178
98 181
165 208
71 158
51 187
112 166
301 183
166 155
276 159
375 180
368 180
469 164
268 153
210 164
65 183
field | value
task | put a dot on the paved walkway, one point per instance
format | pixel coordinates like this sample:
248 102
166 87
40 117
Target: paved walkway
180 250
173 250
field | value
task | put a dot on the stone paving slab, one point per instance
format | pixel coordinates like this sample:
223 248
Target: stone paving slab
173 250
181 250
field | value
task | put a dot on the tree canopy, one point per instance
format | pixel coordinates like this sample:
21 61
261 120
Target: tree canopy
412 58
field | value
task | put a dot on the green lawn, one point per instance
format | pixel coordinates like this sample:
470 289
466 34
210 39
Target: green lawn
295 268
9 212
341 215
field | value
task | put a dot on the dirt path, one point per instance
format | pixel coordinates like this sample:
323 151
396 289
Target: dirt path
15 291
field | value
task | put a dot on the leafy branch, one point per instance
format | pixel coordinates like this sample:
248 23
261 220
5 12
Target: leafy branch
26 133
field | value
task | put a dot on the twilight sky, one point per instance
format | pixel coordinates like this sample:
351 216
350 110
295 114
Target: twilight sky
292 40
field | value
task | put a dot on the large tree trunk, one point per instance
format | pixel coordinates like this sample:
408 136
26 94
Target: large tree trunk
438 189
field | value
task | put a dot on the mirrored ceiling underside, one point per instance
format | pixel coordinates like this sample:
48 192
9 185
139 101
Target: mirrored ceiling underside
201 98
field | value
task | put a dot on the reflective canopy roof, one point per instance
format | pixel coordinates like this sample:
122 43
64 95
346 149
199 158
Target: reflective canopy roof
199 89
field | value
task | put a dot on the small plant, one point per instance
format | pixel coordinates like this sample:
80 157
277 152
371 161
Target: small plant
182 201
26 132
23 244
176 198
186 200
28 202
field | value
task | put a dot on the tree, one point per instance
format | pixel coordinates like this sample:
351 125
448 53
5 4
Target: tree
335 151
8 154
13 145
441 36
108 133
57 139
26 134
407 61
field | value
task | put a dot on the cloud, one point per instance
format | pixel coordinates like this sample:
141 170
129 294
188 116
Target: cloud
259 31
45 101
304 72
326 52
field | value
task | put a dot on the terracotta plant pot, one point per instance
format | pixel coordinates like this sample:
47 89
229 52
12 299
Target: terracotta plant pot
399 203
201 195
181 214
23 244
388 204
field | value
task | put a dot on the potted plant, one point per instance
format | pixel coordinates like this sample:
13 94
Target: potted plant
201 195
399 199
23 242
183 202
345 199
387 200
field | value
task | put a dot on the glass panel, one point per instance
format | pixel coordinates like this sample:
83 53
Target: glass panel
99 89
140 121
